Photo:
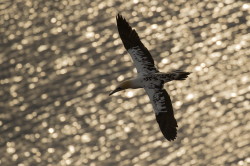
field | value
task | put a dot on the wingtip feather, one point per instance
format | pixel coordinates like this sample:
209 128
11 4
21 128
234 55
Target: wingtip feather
168 125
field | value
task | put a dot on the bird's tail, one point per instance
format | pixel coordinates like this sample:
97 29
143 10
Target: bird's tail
174 75
179 75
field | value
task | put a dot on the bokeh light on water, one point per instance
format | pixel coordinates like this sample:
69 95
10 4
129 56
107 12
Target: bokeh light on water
60 59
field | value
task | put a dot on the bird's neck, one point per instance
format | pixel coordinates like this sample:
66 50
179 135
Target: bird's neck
132 83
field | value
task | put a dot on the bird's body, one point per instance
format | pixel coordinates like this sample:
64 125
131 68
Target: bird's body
155 80
149 78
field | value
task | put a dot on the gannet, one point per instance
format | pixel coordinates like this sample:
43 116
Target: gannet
149 78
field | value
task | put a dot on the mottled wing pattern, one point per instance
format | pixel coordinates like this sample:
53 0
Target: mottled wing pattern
163 111
141 57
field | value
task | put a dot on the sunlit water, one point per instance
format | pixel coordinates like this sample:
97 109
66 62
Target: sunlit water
60 59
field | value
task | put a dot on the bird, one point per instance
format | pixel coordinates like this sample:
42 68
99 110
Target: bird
149 78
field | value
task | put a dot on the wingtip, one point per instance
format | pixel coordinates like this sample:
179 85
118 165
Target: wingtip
168 126
171 139
171 136
118 16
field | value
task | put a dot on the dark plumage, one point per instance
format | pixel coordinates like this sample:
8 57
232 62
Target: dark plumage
131 39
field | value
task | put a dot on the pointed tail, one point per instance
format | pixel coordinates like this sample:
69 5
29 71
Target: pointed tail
179 75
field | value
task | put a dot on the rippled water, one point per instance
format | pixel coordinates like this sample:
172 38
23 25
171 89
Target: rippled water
60 59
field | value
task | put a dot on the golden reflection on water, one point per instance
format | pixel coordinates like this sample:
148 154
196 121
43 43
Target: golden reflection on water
60 60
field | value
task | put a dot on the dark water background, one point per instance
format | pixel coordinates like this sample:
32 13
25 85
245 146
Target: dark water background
59 60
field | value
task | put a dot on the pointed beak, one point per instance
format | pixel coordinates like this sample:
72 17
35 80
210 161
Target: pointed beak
112 92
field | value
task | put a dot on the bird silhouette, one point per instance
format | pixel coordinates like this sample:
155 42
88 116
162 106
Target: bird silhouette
149 78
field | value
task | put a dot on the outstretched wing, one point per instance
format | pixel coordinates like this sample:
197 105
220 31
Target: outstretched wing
142 59
163 111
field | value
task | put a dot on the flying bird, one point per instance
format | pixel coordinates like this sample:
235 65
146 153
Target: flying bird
149 78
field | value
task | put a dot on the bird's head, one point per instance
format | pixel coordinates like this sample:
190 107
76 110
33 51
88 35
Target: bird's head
122 86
